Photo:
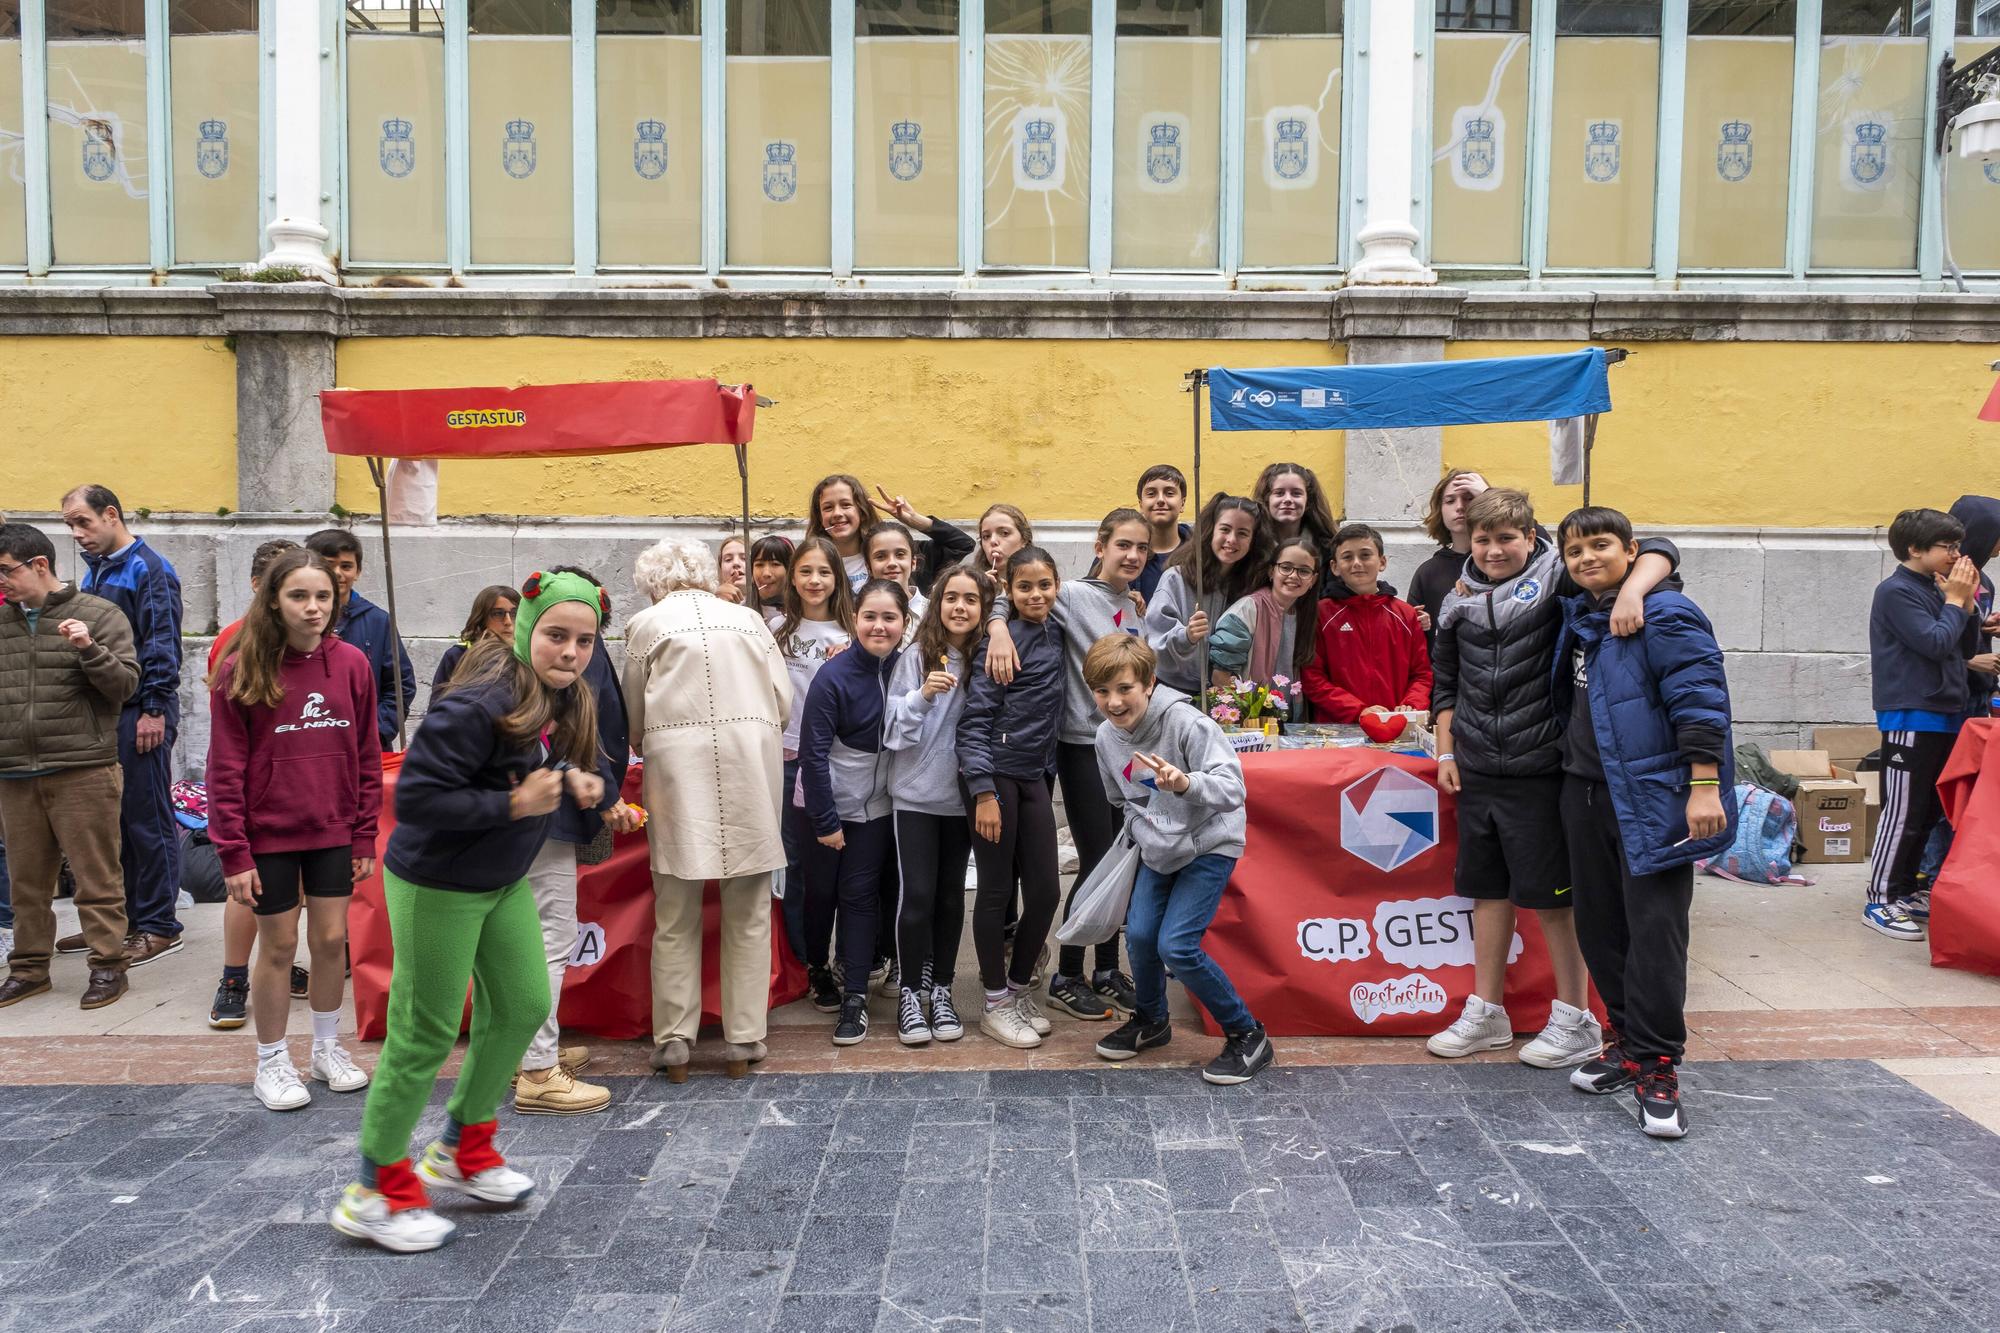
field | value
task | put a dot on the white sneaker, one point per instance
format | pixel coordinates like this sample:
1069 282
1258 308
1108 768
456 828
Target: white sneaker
1892 920
6 941
279 1086
1572 1037
1007 1025
334 1067
1481 1027
364 1214
496 1184
1031 1011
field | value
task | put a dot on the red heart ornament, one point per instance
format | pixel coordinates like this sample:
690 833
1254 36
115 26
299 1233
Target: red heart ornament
1383 728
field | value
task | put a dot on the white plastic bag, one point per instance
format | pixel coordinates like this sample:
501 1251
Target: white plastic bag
1102 901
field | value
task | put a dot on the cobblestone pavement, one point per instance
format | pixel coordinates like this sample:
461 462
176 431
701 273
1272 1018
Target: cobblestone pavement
1811 1195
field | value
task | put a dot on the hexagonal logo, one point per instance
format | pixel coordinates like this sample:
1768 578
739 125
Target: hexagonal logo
1389 818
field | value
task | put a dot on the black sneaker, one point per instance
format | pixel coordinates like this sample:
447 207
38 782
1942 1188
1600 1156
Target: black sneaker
853 1025
1243 1054
232 1005
825 991
1117 990
1659 1093
1135 1034
912 1028
1077 1000
301 982
1609 1072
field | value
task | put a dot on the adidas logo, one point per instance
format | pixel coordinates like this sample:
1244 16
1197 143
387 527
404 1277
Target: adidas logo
1346 628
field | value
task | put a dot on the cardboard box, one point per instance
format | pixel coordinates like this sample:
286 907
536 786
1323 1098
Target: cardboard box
1847 746
1871 791
1832 811
1803 763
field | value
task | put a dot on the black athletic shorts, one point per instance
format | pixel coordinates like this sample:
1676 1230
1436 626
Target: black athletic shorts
325 873
1510 840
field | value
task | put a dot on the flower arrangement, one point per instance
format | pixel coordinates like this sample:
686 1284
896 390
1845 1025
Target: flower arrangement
1244 703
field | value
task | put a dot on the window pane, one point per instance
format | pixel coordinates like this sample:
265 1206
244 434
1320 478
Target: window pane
1166 161
395 132
97 131
1736 149
1972 192
13 194
518 64
780 95
1871 131
649 140
214 63
906 135
1605 123
1291 135
1038 134
1480 166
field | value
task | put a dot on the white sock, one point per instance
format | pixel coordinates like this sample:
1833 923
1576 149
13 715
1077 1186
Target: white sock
268 1052
326 1027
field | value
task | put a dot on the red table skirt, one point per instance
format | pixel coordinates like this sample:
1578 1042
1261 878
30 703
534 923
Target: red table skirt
608 991
1965 900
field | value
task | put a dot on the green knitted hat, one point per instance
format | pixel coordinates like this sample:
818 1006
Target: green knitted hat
543 591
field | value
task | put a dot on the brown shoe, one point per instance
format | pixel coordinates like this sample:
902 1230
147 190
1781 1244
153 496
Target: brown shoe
16 989
105 988
141 948
73 944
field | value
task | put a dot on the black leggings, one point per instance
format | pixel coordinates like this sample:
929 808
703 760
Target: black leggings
1093 825
848 880
931 852
1027 848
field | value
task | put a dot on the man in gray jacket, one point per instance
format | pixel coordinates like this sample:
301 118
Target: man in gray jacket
67 665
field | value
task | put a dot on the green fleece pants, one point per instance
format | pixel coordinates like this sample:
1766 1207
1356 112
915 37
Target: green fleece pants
444 939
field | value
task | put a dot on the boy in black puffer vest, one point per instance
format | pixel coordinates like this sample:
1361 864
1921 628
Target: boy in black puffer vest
1499 751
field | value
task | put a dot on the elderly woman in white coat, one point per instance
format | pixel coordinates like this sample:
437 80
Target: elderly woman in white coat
707 696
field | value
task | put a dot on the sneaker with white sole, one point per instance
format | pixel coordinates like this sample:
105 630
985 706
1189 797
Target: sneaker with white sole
1031 1011
365 1215
1607 1071
852 1029
890 984
279 1086
945 1024
1006 1024
912 1028
1659 1094
1571 1037
1243 1055
1480 1027
1917 906
496 1184
1892 920
336 1068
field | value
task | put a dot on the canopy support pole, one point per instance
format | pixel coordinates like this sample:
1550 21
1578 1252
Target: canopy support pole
743 475
1196 380
378 471
1589 443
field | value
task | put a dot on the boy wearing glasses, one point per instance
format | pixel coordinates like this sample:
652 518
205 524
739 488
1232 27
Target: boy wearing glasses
1371 657
1921 630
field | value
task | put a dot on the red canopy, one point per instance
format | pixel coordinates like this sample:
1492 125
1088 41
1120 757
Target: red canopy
1991 412
536 420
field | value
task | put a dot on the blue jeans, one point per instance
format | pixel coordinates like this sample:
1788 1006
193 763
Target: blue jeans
1163 929
1936 850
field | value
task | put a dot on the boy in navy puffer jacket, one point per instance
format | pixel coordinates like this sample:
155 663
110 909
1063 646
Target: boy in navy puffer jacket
1647 789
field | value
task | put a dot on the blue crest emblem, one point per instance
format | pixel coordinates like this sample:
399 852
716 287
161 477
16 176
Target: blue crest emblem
211 152
906 150
1038 149
1527 590
517 154
398 149
1475 151
1291 155
649 150
1868 155
1732 155
99 153
781 173
1600 154
1163 154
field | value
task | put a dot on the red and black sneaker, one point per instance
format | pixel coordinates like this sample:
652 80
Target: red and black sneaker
1659 1096
1609 1072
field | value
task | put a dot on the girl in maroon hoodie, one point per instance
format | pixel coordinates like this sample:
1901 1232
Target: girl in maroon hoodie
294 790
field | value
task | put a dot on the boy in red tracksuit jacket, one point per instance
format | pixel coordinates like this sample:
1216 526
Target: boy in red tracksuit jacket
1371 645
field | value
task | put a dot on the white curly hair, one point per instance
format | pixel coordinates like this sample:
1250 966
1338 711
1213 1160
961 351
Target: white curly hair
674 563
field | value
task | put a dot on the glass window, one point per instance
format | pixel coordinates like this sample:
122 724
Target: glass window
1291 134
97 131
906 134
1604 128
1166 159
1037 133
13 166
1972 191
518 66
395 131
1736 144
1871 135
214 65
1479 168
780 150
649 140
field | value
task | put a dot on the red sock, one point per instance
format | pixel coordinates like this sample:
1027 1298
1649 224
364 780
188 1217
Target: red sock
475 1149
398 1184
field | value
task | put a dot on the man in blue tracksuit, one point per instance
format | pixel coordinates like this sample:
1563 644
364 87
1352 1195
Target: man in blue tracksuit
366 626
131 575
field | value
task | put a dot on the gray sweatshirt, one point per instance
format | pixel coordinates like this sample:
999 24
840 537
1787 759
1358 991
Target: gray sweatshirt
1166 628
1173 830
922 735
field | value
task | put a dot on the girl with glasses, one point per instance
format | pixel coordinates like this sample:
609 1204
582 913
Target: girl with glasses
492 616
1268 637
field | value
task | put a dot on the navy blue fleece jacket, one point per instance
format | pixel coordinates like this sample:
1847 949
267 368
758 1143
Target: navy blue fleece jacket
1917 646
366 626
139 581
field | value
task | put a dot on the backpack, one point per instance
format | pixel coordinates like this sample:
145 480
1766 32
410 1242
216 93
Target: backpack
1766 829
201 868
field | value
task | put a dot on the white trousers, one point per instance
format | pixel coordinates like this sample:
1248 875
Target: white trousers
553 878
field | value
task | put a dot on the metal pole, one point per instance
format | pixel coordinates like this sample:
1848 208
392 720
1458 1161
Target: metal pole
380 475
1195 380
743 473
1589 440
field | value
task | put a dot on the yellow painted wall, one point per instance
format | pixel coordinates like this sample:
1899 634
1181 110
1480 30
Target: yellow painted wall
1769 434
1062 429
153 418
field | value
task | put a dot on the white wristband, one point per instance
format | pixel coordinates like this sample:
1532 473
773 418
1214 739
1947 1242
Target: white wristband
1447 755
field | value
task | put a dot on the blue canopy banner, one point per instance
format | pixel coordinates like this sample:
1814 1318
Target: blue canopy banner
1424 393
